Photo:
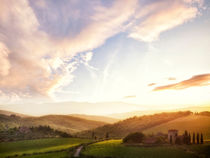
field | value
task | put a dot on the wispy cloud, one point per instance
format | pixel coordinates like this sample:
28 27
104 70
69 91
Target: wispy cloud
161 16
171 78
129 97
195 81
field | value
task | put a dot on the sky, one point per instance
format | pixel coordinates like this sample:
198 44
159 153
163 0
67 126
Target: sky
148 53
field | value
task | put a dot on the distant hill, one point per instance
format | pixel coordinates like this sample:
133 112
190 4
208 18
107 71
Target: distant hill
150 112
96 118
64 123
191 123
8 113
134 124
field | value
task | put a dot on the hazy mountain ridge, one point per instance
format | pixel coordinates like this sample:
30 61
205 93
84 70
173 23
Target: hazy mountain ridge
96 118
64 123
150 112
8 113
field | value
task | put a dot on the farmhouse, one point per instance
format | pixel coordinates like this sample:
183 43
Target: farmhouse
172 136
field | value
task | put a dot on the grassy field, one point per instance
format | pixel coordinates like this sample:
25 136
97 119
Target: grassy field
192 123
39 146
115 148
61 154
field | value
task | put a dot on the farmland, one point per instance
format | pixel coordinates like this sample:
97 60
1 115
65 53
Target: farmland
39 146
115 148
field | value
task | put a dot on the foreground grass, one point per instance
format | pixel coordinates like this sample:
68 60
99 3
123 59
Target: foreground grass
38 146
203 149
61 154
115 148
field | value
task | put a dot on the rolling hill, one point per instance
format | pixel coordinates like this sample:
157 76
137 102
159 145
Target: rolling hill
64 123
8 113
134 124
96 118
191 123
150 112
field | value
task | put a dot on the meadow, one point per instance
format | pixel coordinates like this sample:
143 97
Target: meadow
115 149
39 146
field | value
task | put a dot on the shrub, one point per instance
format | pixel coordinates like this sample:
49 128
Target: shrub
136 137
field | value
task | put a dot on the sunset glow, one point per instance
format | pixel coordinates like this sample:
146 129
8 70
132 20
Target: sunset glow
76 55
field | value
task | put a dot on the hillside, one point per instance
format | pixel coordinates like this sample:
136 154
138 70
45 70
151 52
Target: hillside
64 123
134 124
150 112
8 113
191 123
96 118
24 133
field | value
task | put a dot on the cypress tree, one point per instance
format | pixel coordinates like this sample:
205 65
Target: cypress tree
197 138
201 138
193 138
189 139
185 137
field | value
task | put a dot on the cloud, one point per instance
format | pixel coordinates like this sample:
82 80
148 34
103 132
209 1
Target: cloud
22 45
151 84
195 81
129 97
39 39
171 78
163 15
5 65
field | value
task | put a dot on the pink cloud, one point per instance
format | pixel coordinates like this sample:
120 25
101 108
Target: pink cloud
195 81
162 16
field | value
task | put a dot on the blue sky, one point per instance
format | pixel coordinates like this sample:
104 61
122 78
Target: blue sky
151 53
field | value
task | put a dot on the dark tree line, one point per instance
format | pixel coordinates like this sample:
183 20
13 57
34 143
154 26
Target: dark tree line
196 138
93 136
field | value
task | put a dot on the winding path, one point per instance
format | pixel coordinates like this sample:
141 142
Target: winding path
76 154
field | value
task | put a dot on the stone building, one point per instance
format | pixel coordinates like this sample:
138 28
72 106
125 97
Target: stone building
172 136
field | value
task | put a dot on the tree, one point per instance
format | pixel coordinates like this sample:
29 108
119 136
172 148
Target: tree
193 138
189 139
107 135
136 137
185 137
93 134
197 138
201 138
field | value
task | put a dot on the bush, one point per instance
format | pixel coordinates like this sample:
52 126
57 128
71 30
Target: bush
136 137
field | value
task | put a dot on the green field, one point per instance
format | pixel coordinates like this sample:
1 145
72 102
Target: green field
61 154
39 146
115 148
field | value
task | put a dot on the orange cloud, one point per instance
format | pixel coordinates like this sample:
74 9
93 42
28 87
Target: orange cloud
151 84
195 81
